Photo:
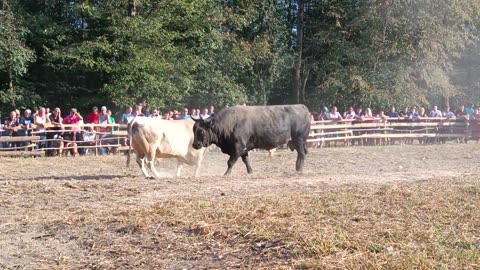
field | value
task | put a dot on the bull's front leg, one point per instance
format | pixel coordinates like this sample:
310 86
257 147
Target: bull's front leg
231 161
246 160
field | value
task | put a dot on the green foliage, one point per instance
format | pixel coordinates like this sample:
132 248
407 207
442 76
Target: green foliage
201 52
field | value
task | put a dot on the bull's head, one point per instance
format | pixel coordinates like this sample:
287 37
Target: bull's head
201 132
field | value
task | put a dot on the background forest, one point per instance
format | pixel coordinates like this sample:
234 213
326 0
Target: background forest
197 52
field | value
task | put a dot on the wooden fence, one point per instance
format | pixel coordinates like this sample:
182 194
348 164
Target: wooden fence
323 133
61 140
389 131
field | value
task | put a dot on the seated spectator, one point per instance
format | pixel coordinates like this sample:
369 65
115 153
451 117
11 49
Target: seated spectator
41 123
448 114
435 112
184 114
88 139
349 114
392 113
92 117
127 115
334 114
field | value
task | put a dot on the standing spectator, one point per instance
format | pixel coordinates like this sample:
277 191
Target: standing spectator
349 114
435 112
111 118
211 110
57 121
156 114
184 114
12 124
72 119
92 117
195 114
462 113
422 113
205 114
41 123
26 121
137 110
404 113
334 114
470 109
104 119
127 115
167 116
448 114
392 113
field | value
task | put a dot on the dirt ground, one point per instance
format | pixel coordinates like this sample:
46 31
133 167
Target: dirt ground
94 213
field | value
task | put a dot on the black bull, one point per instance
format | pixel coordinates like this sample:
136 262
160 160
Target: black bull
236 130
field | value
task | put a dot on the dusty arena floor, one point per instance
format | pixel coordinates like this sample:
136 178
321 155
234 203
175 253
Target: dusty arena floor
390 207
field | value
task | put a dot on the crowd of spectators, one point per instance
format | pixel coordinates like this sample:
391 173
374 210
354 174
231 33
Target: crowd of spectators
51 125
408 113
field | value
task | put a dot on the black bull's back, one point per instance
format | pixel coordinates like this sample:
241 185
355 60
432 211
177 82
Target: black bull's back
238 129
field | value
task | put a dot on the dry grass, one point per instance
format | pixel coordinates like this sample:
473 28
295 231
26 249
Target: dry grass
74 224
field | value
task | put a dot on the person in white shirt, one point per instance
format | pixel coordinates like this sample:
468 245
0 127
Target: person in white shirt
334 114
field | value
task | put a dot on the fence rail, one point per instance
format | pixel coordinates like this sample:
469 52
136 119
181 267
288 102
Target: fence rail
323 133
388 131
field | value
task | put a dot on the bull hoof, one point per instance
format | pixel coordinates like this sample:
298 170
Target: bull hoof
151 178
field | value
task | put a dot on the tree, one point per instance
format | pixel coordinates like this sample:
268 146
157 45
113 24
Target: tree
14 54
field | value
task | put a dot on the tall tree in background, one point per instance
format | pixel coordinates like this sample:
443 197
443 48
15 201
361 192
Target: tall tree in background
298 94
14 54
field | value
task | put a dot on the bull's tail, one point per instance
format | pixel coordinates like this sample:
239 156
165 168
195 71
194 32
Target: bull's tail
129 132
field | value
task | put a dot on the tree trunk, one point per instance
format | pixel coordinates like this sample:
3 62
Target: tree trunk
11 88
261 84
305 74
297 84
131 8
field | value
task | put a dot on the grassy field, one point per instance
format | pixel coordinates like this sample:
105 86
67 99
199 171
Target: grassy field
398 207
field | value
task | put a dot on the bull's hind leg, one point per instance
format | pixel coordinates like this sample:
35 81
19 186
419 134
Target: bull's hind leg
301 152
246 160
141 163
150 160
179 167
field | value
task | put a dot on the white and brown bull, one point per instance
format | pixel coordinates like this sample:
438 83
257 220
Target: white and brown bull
153 139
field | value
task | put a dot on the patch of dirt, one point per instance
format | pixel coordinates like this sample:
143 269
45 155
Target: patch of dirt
86 212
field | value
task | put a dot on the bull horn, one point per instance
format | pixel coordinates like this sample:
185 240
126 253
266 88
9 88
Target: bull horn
196 120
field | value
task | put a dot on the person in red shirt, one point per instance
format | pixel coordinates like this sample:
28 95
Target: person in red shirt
92 117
